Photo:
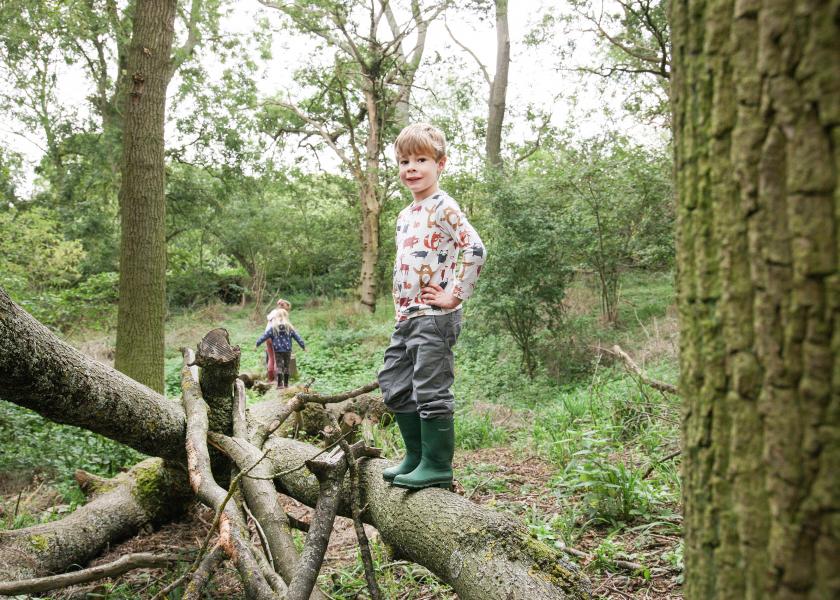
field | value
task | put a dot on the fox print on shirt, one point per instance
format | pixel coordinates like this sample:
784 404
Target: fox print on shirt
431 233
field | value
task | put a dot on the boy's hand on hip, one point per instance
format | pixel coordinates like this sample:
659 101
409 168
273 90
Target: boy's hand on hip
434 295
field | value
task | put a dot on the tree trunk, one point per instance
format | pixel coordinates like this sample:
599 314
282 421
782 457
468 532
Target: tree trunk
368 281
755 114
42 373
498 89
149 493
142 304
481 553
369 200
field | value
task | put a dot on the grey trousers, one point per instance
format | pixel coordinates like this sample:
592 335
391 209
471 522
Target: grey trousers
419 367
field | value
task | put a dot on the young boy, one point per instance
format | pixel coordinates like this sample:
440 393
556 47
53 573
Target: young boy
428 291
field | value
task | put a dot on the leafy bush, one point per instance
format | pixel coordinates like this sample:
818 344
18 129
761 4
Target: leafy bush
189 287
38 252
613 493
522 288
566 351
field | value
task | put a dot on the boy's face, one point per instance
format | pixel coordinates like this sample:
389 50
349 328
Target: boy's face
419 173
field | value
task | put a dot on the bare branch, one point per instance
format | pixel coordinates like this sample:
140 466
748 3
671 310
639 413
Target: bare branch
319 129
185 51
471 53
632 366
128 562
202 574
356 507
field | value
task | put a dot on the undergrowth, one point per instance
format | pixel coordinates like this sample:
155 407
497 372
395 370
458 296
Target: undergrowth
601 434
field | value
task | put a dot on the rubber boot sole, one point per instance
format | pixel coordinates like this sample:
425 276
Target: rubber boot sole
445 485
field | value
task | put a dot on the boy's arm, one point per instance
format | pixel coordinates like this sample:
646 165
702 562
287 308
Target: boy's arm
473 254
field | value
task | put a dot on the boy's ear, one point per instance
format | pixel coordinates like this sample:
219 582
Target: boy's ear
441 164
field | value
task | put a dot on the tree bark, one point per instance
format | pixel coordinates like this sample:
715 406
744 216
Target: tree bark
498 88
44 374
150 492
142 293
755 89
481 553
371 208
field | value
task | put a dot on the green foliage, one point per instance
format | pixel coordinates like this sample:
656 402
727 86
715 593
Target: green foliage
620 210
477 431
37 253
35 444
634 51
91 304
523 285
613 493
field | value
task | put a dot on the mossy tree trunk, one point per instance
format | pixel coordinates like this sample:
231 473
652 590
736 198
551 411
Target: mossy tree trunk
756 108
150 492
142 303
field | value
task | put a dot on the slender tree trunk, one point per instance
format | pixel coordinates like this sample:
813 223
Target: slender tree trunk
369 282
498 89
756 115
369 195
142 304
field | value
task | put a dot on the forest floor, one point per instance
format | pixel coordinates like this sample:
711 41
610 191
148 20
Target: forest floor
582 453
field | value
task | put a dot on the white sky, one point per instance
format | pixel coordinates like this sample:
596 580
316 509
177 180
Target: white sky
534 76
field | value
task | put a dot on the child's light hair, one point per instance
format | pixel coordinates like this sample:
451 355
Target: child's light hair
418 138
282 304
280 317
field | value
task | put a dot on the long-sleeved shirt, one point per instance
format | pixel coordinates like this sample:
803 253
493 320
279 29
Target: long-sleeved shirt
281 338
431 233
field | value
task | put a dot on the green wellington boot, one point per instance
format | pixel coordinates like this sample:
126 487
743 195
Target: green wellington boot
438 448
409 424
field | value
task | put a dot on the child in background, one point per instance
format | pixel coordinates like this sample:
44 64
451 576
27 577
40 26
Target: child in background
281 333
428 289
270 359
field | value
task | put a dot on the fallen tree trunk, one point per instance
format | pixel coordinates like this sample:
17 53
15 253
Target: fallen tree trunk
481 553
150 492
42 373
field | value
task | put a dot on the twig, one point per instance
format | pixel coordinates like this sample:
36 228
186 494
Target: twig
480 485
652 466
355 505
202 574
261 535
297 402
622 564
319 399
129 562
632 366
268 514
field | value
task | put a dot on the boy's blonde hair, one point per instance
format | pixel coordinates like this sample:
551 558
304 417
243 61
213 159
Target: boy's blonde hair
418 138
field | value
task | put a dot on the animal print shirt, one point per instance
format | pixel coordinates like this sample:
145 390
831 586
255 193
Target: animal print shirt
431 233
